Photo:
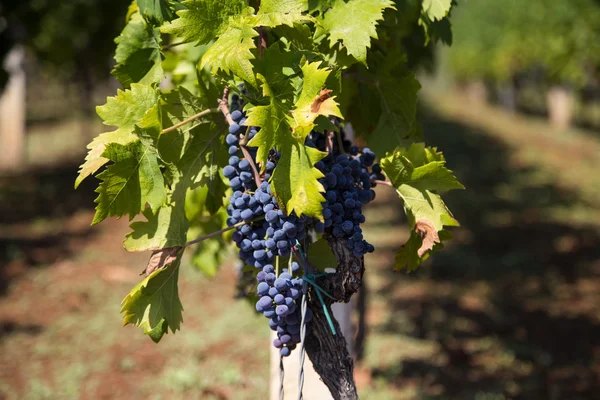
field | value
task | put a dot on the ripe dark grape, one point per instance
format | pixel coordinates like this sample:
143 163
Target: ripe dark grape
348 175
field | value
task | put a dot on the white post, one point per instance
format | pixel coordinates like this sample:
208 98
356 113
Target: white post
12 112
560 106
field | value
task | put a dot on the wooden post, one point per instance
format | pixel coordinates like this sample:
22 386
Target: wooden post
12 113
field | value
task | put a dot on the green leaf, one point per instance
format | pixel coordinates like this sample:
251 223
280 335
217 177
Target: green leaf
94 159
123 111
194 155
416 173
281 12
431 176
138 54
436 9
156 11
133 180
210 253
166 228
294 181
154 303
128 107
354 24
272 120
203 20
321 257
281 69
208 256
397 124
231 52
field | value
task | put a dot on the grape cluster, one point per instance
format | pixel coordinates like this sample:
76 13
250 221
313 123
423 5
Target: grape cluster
348 175
280 299
267 233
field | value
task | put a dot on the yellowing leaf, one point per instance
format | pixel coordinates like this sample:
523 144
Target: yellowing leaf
313 101
426 211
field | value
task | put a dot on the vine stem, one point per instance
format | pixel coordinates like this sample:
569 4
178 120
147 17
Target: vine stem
190 119
329 141
171 45
384 183
221 231
215 233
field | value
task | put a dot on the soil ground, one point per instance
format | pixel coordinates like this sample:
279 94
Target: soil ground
509 310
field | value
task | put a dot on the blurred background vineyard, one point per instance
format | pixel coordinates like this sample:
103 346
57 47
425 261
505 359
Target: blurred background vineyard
509 310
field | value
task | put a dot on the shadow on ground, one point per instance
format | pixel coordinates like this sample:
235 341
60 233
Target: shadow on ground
39 212
511 306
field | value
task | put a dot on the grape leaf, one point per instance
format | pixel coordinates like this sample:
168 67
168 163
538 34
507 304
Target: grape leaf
354 24
208 256
123 111
408 256
313 101
154 303
162 258
210 253
427 214
138 54
128 107
279 69
397 124
231 52
272 120
156 11
194 158
436 9
320 5
281 12
294 182
133 180
165 228
203 20
321 257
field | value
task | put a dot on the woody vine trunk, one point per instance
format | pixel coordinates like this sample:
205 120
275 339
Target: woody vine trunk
328 352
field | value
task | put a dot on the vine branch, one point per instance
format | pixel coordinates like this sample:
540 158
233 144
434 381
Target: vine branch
190 119
221 231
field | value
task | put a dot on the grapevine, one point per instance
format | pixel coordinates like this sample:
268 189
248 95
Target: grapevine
231 132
